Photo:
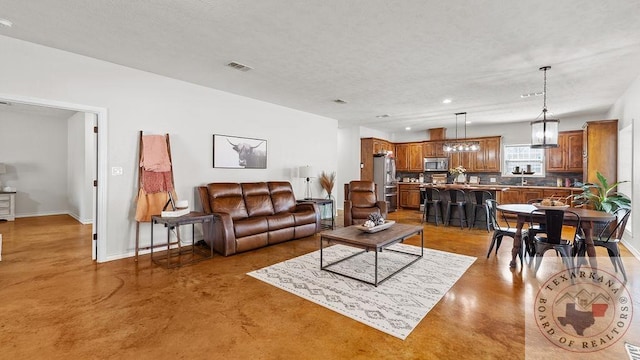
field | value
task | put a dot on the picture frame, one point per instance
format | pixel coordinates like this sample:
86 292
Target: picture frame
234 152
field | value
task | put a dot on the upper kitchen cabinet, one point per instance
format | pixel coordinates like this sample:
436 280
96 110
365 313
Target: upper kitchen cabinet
433 149
487 159
368 148
567 157
600 150
409 157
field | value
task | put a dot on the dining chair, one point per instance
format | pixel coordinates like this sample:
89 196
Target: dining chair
534 228
456 202
477 200
500 231
608 237
554 221
432 202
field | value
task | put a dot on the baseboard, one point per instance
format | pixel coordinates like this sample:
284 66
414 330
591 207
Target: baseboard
625 241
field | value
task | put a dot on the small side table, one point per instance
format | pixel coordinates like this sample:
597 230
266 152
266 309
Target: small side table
325 223
181 255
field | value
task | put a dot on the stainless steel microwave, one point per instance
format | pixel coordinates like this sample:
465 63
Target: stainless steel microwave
436 164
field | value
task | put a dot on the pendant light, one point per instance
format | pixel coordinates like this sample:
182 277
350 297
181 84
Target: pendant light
544 133
462 145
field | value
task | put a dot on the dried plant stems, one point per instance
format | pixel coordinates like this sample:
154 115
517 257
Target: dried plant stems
327 181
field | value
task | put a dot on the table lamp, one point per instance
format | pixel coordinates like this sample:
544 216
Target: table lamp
306 172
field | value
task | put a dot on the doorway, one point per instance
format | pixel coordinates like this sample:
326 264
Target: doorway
97 170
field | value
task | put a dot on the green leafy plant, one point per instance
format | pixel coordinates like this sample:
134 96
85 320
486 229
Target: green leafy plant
602 195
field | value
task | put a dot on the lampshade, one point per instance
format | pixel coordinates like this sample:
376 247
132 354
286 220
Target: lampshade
3 169
305 171
544 133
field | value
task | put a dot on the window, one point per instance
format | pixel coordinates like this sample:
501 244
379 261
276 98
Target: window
521 156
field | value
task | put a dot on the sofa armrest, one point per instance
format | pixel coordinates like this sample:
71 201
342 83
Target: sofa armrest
348 220
204 199
307 206
220 234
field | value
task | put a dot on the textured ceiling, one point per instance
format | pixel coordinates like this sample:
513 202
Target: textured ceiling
400 58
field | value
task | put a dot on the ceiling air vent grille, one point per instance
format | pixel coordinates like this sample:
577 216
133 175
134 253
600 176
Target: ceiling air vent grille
239 66
339 101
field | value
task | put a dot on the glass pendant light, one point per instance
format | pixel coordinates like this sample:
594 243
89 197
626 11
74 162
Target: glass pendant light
544 133
462 145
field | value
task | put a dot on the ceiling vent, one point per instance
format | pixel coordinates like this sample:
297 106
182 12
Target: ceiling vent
239 66
339 101
5 103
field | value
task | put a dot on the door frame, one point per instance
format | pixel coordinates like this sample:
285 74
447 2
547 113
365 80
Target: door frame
100 221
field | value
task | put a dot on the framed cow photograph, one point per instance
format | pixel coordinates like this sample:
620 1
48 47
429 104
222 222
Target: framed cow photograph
239 152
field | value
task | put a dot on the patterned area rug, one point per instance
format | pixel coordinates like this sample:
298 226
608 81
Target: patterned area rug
395 307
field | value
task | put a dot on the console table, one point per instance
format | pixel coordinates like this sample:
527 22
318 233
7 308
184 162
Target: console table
325 223
181 255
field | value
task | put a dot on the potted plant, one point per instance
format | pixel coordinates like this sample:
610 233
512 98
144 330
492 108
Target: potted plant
459 175
602 195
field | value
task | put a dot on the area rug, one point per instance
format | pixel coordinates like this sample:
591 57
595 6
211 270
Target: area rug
395 307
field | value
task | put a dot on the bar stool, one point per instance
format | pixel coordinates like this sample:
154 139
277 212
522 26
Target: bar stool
478 200
456 201
432 202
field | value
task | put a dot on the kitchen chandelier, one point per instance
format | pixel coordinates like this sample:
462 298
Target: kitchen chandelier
544 133
462 145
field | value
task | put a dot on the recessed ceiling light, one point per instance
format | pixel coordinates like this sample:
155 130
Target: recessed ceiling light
523 96
5 22
468 122
408 128
446 101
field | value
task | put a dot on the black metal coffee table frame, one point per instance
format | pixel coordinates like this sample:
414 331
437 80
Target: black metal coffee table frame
377 242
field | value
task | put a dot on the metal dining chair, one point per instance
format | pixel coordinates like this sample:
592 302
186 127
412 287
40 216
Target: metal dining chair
554 221
500 231
608 237
534 229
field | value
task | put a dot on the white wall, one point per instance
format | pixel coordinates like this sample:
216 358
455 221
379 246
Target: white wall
191 114
34 147
627 111
81 159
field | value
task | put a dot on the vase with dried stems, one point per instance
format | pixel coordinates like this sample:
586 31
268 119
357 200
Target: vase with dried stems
327 181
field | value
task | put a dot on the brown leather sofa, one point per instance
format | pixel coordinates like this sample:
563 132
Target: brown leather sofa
254 215
361 201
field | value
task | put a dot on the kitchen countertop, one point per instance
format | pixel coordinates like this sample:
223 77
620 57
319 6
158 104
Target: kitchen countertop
500 187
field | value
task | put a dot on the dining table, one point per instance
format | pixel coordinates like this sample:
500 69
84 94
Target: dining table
529 212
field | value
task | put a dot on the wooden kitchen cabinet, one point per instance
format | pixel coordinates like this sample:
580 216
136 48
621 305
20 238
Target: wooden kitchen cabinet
487 159
409 157
433 149
409 196
600 150
368 148
567 157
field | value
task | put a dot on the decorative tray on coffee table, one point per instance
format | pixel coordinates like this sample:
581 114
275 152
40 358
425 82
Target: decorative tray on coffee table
387 224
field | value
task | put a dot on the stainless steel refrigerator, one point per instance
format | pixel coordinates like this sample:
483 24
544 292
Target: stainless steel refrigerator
384 175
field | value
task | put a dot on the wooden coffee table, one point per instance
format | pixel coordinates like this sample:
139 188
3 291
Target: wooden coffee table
378 242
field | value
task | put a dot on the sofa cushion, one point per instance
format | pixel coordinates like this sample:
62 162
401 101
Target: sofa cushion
282 196
250 226
280 221
227 198
257 199
305 217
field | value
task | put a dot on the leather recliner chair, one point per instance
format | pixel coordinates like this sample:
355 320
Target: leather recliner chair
361 201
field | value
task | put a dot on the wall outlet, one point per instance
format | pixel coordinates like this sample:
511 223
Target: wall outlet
116 171
492 180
